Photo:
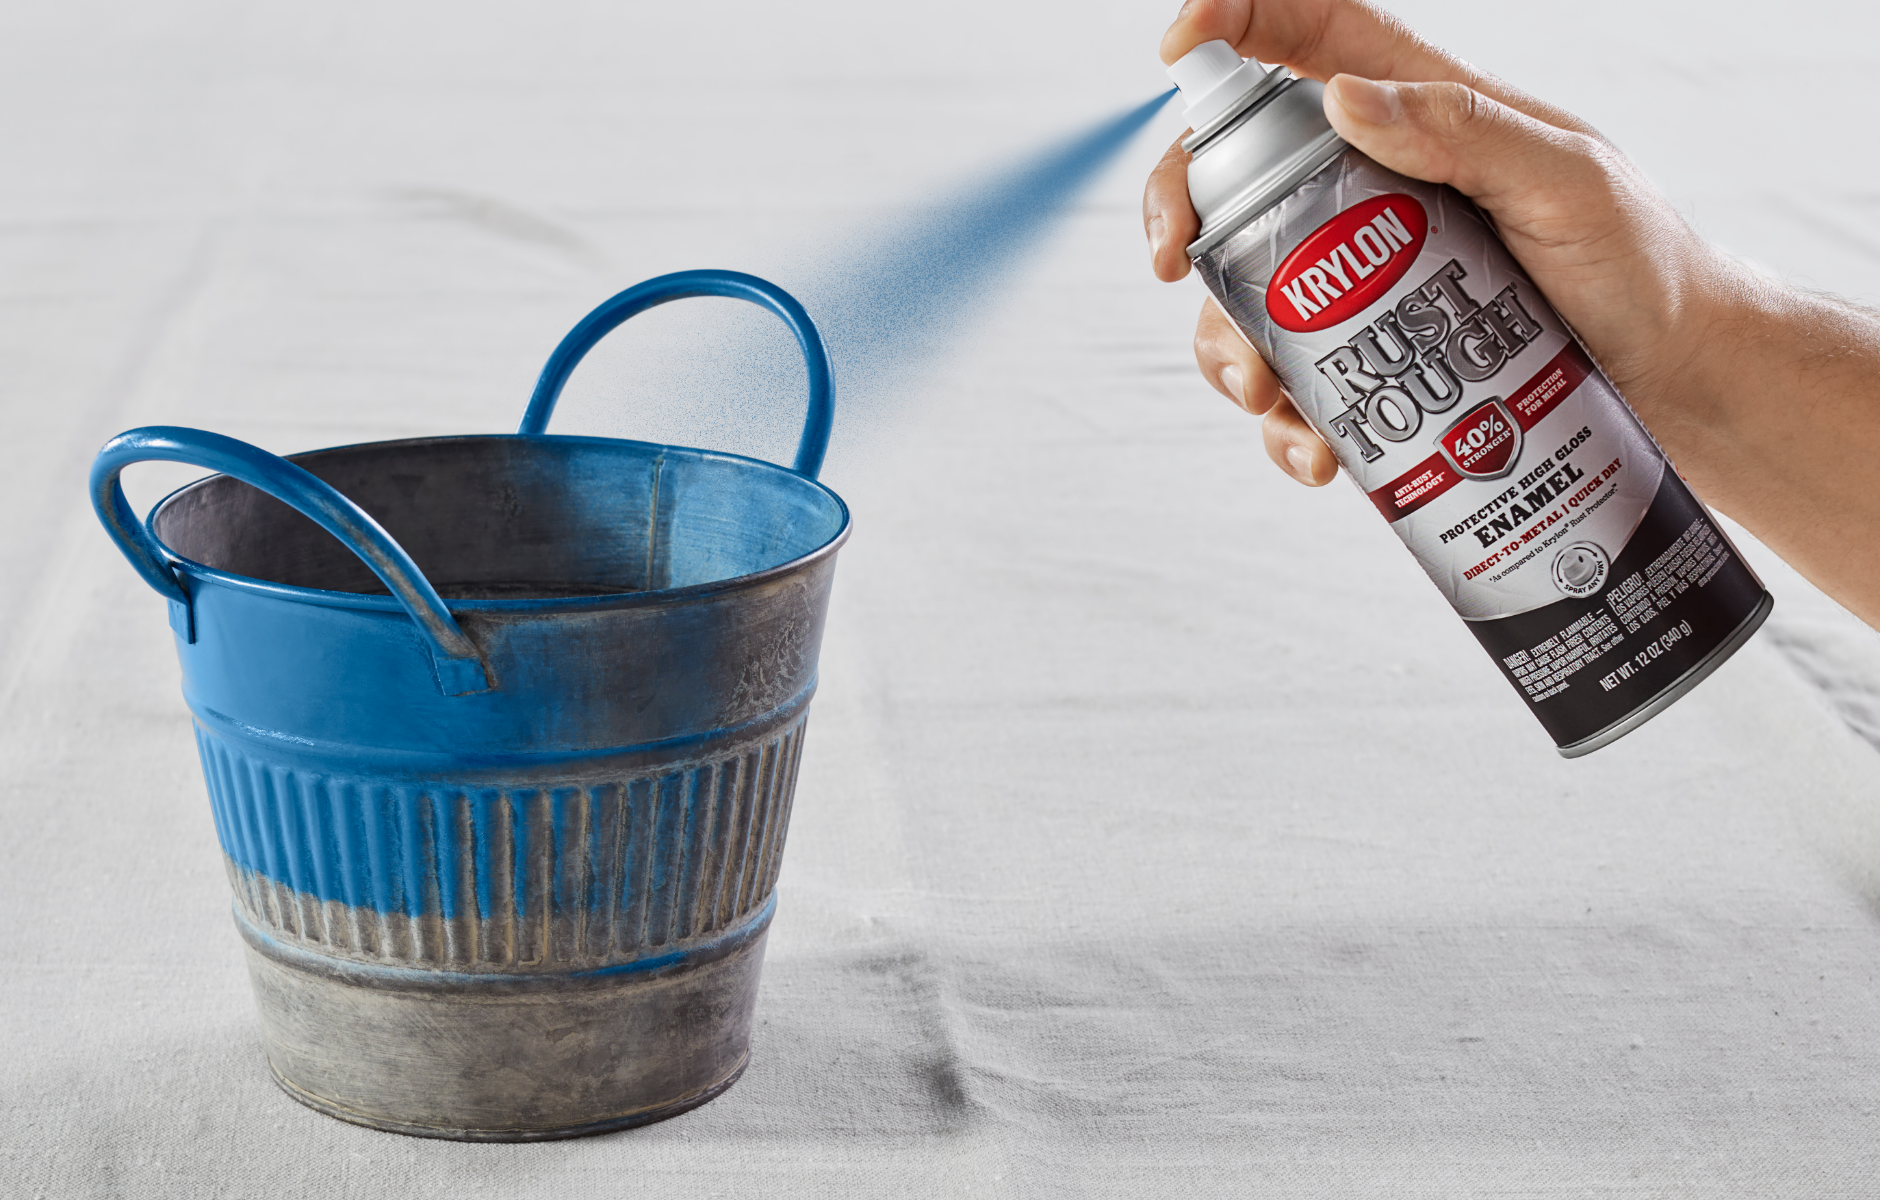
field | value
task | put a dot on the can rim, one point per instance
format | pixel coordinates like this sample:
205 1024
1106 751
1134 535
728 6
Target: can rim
1266 192
1272 83
1679 687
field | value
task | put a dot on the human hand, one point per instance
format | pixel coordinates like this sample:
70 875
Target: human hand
1607 249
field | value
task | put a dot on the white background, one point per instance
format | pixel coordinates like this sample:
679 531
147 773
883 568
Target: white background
1160 830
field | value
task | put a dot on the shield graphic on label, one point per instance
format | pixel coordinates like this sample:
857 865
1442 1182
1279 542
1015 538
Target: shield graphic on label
1485 442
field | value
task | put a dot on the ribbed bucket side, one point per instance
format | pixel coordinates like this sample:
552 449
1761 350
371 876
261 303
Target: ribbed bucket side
502 879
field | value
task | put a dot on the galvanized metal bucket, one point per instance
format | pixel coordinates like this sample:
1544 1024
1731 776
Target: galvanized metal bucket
501 735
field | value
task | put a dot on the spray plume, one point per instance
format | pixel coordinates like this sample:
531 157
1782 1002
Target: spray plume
905 290
887 301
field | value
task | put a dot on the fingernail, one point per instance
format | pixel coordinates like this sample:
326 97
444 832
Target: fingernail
1235 382
1368 100
1301 460
1158 230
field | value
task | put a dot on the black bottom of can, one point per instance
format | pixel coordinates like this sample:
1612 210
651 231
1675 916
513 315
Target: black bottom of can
624 1121
1684 683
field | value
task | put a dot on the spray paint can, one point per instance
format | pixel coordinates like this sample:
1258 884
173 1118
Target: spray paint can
1463 406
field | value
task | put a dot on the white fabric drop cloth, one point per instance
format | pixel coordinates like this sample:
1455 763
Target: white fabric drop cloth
1160 831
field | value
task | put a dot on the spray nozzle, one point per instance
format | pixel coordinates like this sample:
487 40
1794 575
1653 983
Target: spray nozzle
1211 77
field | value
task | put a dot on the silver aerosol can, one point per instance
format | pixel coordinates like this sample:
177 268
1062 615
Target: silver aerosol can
1461 403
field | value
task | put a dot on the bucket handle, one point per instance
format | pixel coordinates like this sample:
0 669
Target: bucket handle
677 286
454 656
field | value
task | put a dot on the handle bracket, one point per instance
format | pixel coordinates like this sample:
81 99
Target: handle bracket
456 663
183 620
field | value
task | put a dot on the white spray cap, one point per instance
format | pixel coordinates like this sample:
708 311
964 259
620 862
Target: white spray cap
1211 77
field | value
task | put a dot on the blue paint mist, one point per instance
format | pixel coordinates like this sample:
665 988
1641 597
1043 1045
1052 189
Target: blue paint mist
901 293
889 299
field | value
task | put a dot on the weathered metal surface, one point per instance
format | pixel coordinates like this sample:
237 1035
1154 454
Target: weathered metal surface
573 877
501 736
514 1057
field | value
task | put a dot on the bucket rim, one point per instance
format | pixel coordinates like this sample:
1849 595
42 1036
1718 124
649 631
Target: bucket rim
328 598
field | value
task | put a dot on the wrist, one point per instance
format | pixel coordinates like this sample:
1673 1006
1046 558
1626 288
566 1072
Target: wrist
1700 394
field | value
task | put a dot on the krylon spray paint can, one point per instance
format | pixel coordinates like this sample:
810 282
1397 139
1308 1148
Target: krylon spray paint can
1463 407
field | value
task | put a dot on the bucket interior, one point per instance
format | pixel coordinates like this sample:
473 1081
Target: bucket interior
517 517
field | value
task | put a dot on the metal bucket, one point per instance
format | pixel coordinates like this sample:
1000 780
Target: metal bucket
500 735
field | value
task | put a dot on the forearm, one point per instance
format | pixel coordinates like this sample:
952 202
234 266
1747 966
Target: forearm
1775 420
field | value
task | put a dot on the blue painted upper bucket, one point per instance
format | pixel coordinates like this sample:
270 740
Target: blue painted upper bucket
493 608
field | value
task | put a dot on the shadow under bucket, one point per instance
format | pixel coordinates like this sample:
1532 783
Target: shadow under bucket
501 735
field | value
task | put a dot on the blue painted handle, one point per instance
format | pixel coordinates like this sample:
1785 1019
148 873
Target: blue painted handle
459 669
677 286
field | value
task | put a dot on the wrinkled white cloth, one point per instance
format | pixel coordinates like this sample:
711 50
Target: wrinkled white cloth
1160 831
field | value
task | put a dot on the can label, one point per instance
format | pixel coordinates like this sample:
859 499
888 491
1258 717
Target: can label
1463 407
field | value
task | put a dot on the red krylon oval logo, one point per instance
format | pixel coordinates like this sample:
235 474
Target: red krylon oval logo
1347 263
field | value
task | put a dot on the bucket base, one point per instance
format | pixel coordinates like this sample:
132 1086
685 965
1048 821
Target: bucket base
509 1135
507 1058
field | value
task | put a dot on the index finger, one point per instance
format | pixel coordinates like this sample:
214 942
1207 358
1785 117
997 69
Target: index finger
1322 38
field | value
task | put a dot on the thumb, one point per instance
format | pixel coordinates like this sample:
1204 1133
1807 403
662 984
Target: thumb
1509 162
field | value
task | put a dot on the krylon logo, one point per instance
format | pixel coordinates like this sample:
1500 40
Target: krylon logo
1347 263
